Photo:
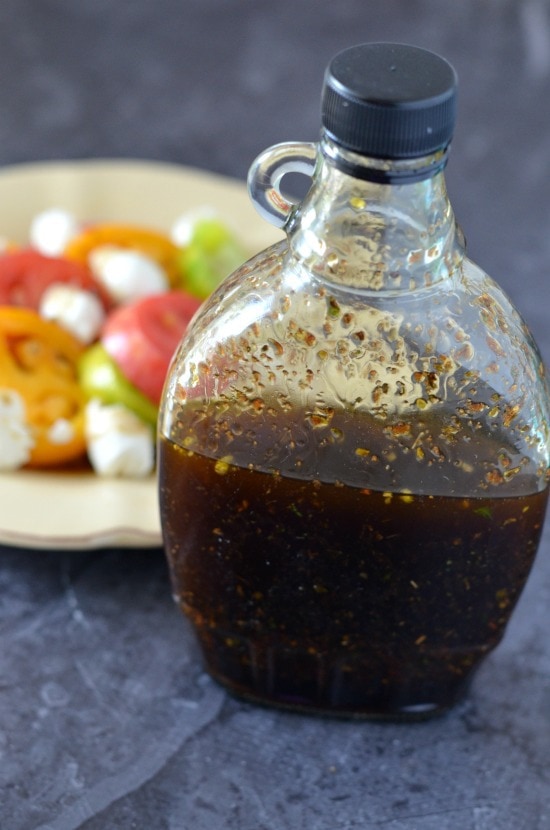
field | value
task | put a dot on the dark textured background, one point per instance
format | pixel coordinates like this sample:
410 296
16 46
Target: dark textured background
106 719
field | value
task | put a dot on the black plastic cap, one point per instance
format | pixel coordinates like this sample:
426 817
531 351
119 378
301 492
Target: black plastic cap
389 100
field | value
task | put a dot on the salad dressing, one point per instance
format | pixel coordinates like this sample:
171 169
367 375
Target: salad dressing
354 446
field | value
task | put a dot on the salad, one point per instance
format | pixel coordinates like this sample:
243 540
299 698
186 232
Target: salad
90 316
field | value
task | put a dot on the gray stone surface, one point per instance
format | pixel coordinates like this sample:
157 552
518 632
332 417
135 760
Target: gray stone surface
106 717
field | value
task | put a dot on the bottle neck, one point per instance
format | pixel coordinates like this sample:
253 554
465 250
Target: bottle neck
377 224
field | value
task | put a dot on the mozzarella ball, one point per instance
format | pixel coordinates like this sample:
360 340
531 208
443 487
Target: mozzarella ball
52 230
127 275
76 310
119 444
182 230
16 441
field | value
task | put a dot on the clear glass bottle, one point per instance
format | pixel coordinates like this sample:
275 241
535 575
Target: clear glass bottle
353 452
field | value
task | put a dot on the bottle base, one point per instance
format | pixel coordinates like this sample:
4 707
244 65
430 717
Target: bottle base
413 713
359 686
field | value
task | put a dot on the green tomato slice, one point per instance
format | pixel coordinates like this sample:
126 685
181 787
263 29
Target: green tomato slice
101 378
212 254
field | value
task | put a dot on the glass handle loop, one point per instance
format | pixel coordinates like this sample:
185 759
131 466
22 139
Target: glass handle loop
266 173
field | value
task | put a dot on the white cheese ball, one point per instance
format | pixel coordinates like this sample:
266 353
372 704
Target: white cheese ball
75 309
119 444
51 231
182 230
61 431
127 275
16 441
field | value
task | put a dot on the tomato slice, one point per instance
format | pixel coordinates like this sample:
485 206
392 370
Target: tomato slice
142 337
211 254
38 360
101 378
152 243
26 274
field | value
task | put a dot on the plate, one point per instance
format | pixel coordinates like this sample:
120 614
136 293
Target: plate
65 510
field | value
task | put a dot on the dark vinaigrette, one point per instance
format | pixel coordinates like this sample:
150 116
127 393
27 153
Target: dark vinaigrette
339 599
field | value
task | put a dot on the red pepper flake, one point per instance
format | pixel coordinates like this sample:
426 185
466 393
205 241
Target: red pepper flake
401 429
495 346
276 346
510 413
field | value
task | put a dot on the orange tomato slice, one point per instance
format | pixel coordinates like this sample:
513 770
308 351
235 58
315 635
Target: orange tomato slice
153 244
38 360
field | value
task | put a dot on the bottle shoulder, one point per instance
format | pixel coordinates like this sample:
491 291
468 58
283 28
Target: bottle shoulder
467 316
433 372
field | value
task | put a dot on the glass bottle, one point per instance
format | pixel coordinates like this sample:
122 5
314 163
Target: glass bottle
353 452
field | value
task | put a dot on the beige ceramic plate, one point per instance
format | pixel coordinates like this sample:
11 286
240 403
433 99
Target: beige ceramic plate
80 510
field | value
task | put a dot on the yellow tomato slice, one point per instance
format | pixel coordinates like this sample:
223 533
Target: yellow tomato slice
38 360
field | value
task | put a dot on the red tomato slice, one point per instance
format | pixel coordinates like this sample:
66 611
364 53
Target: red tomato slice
26 274
142 337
